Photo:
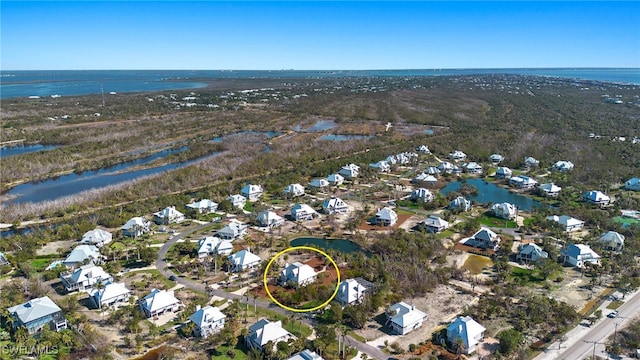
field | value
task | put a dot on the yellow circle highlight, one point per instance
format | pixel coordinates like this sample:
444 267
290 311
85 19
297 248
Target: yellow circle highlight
266 270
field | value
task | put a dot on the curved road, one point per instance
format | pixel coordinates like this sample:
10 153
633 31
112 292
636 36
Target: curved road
161 266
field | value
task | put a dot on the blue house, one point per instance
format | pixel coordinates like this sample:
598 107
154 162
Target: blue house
35 314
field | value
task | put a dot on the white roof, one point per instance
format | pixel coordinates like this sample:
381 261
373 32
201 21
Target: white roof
335 178
169 212
82 253
244 258
135 221
350 290
319 182
565 220
251 189
302 208
89 271
504 170
97 236
206 314
269 217
435 221
159 299
294 188
387 213
264 331
467 329
298 272
405 314
612 237
532 248
504 209
306 354
111 290
333 202
596 196
550 187
203 204
485 234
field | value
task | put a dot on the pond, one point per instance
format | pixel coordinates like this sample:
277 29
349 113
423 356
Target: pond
476 264
491 193
342 245
55 188
319 126
6 151
341 137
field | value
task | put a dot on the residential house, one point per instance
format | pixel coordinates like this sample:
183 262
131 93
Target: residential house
457 155
297 274
484 239
252 192
449 168
523 182
233 230
504 210
381 166
319 183
204 206
84 277
112 294
496 159
244 260
82 254
423 149
530 162
97 237
168 215
579 254
37 313
460 204
208 320
306 354
435 224
294 190
568 223
386 217
404 318
596 197
3 260
632 184
432 170
503 172
210 245
135 227
158 302
335 179
350 171
472 168
531 253
335 205
269 219
353 291
563 166
550 189
238 201
264 331
300 212
422 194
612 240
430 180
468 330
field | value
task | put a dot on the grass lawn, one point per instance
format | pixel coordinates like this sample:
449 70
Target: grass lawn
298 329
168 284
495 222
240 351
404 212
525 275
444 234
409 204
615 304
40 264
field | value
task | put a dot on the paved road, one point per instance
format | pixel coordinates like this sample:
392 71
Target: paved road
580 340
161 266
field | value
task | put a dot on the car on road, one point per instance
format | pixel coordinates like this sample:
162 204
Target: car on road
173 278
613 314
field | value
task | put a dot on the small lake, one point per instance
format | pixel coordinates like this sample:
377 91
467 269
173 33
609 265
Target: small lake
491 193
55 188
342 245
6 151
340 137
319 126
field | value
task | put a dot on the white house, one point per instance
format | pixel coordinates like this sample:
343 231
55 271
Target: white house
37 313
203 206
233 230
457 155
460 204
335 179
294 190
97 237
244 260
550 189
468 330
435 224
3 259
531 162
503 172
484 239
530 253
237 200
252 192
84 277
404 318
168 215
353 291
423 149
381 166
208 320
319 183
264 331
301 212
579 254
422 194
432 170
306 354
386 217
335 205
269 219
504 210
596 197
158 302
82 254
496 158
298 274
612 240
632 184
522 182
472 168
210 245
135 227
112 294
350 171
568 223
563 165
447 167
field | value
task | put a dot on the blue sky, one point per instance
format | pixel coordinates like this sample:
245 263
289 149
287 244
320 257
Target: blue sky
317 35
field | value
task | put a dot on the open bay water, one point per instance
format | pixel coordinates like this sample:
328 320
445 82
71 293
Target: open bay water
16 84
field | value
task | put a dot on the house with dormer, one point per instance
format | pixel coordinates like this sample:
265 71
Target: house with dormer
37 313
460 204
84 278
112 294
210 245
264 332
353 291
612 240
484 238
168 215
238 201
530 253
334 205
97 237
349 171
385 217
403 318
294 190
297 274
204 206
158 302
504 210
135 227
208 320
252 192
233 230
243 260
466 332
422 194
269 219
302 212
579 254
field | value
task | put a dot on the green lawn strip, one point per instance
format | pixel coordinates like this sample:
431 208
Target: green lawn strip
615 304
40 264
404 212
495 222
168 284
445 234
356 336
295 329
240 351
525 275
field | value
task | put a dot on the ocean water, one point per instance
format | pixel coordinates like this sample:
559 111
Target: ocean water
15 84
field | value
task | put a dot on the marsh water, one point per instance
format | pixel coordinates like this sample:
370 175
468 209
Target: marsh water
491 193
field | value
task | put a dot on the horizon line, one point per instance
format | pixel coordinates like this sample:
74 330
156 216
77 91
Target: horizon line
390 69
